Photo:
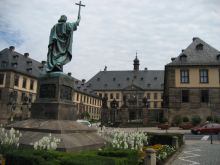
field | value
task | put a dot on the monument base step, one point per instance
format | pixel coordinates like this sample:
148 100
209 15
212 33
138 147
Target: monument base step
74 136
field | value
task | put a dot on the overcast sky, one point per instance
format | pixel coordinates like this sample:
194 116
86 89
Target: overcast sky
111 31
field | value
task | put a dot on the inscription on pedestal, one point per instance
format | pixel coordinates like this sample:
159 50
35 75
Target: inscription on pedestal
47 91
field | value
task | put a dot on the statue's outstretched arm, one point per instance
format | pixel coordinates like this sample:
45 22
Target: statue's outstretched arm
78 21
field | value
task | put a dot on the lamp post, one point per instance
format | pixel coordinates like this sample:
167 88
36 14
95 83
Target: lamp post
12 102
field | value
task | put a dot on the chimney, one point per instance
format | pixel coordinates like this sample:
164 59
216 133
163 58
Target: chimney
105 69
83 81
183 50
194 38
26 55
145 69
69 73
43 62
173 58
12 48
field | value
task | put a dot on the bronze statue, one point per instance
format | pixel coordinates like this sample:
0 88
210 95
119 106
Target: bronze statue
60 43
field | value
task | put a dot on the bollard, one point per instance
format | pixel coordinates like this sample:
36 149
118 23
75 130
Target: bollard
175 143
2 160
150 158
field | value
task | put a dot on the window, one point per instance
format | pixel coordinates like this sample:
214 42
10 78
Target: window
111 95
31 84
106 95
30 98
199 47
148 95
117 95
204 77
0 94
185 96
100 94
161 96
16 80
155 96
155 104
77 97
204 96
23 97
2 75
15 64
4 64
24 83
183 58
184 76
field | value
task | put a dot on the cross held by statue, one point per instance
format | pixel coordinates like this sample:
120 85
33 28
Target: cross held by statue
79 4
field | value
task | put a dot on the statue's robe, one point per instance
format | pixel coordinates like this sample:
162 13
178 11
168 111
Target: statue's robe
60 45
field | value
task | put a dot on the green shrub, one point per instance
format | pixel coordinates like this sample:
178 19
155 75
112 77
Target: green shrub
177 120
42 157
196 120
164 138
185 119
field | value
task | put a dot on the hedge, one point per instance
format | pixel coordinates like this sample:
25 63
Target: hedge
164 138
42 157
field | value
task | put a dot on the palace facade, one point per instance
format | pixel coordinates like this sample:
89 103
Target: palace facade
130 87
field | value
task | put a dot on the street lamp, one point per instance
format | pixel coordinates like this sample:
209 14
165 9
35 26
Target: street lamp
12 102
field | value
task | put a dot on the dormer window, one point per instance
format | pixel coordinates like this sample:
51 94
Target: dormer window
40 67
148 85
119 85
29 63
155 78
98 79
15 57
183 58
4 64
128 78
14 64
106 85
29 70
199 47
142 78
114 78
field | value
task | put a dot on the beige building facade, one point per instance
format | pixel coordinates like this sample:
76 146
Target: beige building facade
192 82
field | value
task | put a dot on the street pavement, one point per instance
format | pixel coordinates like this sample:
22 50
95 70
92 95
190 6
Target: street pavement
199 153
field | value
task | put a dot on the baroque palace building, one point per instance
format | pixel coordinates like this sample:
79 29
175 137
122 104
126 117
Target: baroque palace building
19 83
192 82
129 88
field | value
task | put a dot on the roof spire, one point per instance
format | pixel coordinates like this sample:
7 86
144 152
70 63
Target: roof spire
136 63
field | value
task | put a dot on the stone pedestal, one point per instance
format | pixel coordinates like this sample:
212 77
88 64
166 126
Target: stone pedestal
124 115
54 98
54 112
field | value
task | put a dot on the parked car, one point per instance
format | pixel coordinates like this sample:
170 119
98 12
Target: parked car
84 122
206 128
